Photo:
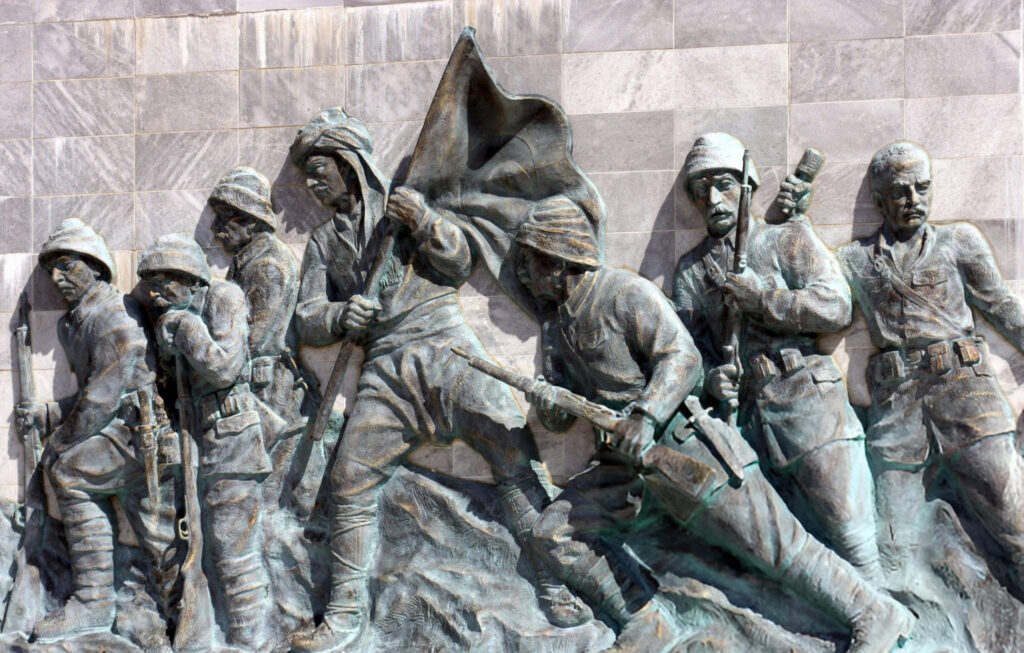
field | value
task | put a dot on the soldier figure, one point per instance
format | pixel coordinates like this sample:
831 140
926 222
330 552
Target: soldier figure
616 340
96 449
934 400
794 407
201 324
411 390
267 272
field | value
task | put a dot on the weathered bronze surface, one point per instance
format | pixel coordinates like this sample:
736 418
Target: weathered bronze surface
200 491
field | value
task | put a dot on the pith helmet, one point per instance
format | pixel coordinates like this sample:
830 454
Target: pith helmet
74 236
559 228
247 191
717 151
176 253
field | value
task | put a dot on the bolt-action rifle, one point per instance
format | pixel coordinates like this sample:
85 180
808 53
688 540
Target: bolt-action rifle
733 317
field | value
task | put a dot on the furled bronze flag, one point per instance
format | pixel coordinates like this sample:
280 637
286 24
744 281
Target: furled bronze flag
492 158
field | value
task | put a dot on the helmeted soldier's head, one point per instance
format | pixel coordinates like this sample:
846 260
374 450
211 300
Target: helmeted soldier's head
554 241
242 208
77 258
900 175
334 150
173 268
713 174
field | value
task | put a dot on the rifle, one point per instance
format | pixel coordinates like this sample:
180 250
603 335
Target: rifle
733 318
27 390
715 434
196 625
147 439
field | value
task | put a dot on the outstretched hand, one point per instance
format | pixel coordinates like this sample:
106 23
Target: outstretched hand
406 207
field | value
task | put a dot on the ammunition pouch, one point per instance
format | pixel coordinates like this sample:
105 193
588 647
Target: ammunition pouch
223 403
894 366
263 371
765 366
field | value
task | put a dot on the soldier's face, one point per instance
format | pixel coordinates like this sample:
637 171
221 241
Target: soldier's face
717 196
904 198
73 278
540 274
333 182
231 229
169 291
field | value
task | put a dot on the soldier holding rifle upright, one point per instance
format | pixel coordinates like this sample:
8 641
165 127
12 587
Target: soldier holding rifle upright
102 438
616 341
793 401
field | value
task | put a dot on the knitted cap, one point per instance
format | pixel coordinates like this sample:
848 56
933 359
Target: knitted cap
176 253
247 191
74 236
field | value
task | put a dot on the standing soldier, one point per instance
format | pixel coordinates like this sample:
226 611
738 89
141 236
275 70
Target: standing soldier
616 340
412 390
794 401
934 399
100 437
201 324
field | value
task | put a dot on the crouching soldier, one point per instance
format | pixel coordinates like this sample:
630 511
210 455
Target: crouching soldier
616 340
103 439
201 325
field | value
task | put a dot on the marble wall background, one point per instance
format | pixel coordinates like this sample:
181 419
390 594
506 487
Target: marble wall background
125 112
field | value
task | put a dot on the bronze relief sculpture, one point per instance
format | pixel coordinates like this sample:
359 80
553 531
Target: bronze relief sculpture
199 492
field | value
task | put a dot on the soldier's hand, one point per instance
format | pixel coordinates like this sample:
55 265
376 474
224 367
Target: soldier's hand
166 331
721 383
743 291
359 312
634 435
29 415
794 196
542 395
406 206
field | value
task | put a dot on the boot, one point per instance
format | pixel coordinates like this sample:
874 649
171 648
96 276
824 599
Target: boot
246 587
523 500
620 600
650 630
353 543
878 623
91 544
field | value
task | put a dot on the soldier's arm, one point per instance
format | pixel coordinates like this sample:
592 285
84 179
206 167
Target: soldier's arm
217 352
443 245
266 298
317 318
555 419
658 340
986 289
817 299
687 301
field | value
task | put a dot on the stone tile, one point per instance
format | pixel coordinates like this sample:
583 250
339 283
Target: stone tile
55 10
183 159
15 225
182 7
16 53
186 44
298 213
480 284
469 464
981 125
73 166
15 272
637 201
762 130
836 235
609 82
957 183
15 11
399 32
186 102
966 64
602 25
44 295
166 211
436 459
604 142
842 195
309 37
86 107
112 216
753 75
729 22
15 168
264 5
578 444
392 91
266 150
16 110
503 328
652 254
957 16
7 343
844 131
87 49
511 28
828 20
686 240
535 75
289 96
846 70
1006 238
393 143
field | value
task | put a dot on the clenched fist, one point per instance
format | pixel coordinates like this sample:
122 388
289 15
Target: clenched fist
406 207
